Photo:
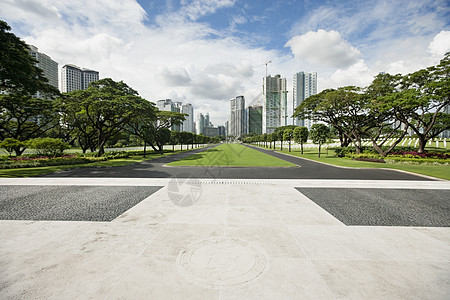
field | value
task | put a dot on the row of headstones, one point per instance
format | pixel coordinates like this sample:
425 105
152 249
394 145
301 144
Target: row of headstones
412 142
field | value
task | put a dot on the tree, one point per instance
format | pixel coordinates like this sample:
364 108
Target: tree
184 139
18 71
386 127
301 136
319 134
287 136
10 145
420 102
174 138
279 137
345 109
106 106
23 117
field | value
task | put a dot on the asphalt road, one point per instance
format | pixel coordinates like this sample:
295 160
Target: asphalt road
306 170
384 207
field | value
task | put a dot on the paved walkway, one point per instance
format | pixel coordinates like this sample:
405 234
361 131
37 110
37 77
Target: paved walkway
218 239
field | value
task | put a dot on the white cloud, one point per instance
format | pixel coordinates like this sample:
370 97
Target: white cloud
357 74
326 48
440 44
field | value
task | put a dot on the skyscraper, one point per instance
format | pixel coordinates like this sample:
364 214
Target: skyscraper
75 78
188 124
255 119
46 64
237 117
274 112
304 85
200 123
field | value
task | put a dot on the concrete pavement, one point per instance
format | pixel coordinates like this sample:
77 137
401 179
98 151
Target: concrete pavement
221 239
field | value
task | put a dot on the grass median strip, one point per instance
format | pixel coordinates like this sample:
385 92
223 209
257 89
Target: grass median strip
232 155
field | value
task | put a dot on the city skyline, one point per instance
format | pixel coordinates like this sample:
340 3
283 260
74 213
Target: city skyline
205 52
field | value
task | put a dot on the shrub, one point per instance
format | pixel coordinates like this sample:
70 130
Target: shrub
48 146
10 144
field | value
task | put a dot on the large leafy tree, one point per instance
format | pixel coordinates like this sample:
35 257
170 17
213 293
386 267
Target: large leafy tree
387 127
345 109
23 118
18 71
106 106
421 101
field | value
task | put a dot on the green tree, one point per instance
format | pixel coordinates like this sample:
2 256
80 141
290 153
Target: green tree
48 146
319 134
422 99
184 139
23 117
174 138
288 134
18 71
386 127
279 137
301 136
10 145
105 106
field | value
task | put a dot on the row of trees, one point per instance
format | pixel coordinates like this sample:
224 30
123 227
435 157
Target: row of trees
87 118
387 109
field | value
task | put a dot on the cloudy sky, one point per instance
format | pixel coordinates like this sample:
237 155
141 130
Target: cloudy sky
206 52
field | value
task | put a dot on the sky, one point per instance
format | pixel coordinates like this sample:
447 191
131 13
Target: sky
205 52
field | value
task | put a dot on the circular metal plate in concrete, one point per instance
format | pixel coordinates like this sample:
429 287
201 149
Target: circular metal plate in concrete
220 263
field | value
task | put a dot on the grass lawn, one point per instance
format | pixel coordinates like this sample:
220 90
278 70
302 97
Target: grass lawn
29 172
232 155
442 172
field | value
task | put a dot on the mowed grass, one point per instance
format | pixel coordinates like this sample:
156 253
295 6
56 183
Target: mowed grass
437 171
232 155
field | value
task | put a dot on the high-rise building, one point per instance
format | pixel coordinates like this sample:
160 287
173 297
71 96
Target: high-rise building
46 64
200 123
255 119
188 123
237 117
165 105
274 112
304 85
74 78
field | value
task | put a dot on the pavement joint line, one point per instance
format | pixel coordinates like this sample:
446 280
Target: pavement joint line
343 183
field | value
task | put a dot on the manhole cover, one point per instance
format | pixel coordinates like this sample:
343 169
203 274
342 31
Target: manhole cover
219 263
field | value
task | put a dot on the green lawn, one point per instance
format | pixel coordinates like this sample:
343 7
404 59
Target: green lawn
232 155
442 172
29 172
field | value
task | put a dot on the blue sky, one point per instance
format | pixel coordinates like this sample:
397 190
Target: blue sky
207 51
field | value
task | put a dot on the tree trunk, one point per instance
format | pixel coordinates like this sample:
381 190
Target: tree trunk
145 147
289 146
281 146
319 150
301 146
422 144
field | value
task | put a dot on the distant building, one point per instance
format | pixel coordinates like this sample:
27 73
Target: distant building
200 123
188 124
222 130
165 105
255 119
274 112
74 78
304 85
211 131
47 65
238 123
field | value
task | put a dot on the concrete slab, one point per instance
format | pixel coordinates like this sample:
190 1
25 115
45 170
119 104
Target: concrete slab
238 239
